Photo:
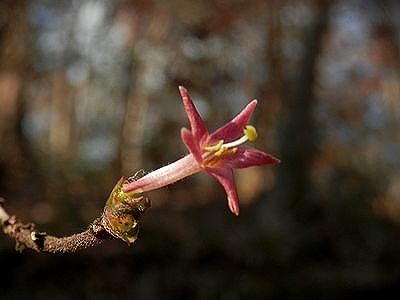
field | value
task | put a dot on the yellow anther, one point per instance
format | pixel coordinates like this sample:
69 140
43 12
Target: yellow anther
214 147
251 132
212 161
221 151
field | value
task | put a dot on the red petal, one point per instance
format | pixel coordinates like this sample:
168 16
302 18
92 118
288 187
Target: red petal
248 157
192 146
199 129
225 177
234 129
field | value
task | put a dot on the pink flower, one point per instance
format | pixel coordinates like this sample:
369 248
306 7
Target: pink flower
217 153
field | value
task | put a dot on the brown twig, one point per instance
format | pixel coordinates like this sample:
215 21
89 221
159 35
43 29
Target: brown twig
120 219
26 236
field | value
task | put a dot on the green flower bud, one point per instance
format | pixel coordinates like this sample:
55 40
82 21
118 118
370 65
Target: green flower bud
123 211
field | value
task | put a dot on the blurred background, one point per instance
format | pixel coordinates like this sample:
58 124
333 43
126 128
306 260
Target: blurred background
88 93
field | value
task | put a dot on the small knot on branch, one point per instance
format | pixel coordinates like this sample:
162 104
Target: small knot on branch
38 238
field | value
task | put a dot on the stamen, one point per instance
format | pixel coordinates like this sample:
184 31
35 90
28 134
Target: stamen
220 151
251 132
238 142
233 150
214 152
214 147
212 160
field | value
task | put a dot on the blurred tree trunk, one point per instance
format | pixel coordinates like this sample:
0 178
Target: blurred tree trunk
14 39
297 135
130 146
11 61
61 114
138 94
132 133
272 90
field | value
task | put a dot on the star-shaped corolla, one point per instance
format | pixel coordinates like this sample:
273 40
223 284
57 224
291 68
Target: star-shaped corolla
217 153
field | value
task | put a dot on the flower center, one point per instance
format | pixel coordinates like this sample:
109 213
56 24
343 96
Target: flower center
213 153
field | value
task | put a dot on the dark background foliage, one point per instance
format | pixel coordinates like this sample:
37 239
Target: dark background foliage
88 92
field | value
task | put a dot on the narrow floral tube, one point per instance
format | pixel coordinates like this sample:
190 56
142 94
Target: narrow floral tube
166 175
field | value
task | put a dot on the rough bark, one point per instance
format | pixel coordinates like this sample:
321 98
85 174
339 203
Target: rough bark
27 236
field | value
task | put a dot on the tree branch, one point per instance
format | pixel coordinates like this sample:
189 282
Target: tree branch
26 236
120 219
